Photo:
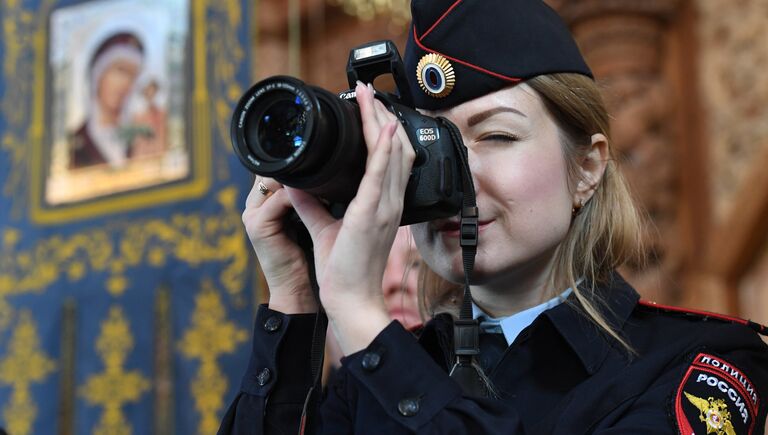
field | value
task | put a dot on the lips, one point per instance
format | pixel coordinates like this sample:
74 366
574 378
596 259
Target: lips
452 227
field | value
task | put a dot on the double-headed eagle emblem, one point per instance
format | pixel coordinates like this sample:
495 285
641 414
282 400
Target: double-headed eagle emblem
714 413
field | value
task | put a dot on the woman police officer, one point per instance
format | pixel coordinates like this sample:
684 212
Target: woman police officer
583 354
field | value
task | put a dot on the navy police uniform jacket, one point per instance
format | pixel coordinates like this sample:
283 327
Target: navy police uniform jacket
689 373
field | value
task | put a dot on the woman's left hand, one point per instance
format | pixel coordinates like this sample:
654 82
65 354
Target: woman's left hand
351 254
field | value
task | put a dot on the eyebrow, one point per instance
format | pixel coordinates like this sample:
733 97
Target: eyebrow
482 116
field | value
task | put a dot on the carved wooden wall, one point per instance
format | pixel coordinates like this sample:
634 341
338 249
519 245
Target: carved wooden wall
734 91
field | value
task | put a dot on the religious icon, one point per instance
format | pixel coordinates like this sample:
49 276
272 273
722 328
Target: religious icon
118 86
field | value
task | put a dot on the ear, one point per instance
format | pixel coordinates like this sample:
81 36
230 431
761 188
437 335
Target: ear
591 170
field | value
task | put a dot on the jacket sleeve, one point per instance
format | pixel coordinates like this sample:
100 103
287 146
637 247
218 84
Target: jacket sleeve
717 387
278 377
394 387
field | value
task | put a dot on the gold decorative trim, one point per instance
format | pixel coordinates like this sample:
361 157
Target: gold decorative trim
437 64
226 53
192 238
114 387
20 36
24 364
210 336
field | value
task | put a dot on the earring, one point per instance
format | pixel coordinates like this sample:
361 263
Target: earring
575 210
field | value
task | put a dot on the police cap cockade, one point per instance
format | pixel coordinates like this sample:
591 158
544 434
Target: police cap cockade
459 50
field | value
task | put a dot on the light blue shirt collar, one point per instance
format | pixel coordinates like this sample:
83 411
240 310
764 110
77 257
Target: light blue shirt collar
512 325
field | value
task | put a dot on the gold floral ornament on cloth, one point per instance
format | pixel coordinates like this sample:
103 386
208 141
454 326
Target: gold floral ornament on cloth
192 239
435 75
23 365
210 336
115 387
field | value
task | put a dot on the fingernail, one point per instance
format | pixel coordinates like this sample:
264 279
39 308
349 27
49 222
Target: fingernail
359 83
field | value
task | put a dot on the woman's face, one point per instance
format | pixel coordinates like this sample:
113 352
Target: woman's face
116 84
522 189
400 281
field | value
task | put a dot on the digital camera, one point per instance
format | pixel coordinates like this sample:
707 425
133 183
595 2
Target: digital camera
311 139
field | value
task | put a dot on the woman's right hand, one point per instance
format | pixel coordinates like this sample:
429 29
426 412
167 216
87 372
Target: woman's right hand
282 261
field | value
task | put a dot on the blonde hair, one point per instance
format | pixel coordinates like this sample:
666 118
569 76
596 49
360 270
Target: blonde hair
604 234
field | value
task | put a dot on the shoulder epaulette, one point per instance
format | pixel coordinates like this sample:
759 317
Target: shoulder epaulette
704 315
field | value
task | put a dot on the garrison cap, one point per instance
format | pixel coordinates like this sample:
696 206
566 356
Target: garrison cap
459 50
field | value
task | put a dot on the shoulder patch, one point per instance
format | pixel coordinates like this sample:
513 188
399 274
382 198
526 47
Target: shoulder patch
715 397
704 315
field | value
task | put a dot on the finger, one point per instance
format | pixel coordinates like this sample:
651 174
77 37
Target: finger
276 207
267 219
394 171
262 188
370 191
371 125
408 155
312 212
383 115
253 195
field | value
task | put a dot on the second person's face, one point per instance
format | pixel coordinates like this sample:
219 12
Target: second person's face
400 282
523 194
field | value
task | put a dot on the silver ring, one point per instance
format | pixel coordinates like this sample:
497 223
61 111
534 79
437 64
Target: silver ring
263 188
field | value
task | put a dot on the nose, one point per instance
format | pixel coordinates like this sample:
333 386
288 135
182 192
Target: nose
474 165
393 277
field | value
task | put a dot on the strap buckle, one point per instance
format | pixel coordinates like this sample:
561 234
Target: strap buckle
468 226
466 337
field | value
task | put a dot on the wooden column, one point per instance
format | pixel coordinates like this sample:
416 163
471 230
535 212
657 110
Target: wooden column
735 243
702 286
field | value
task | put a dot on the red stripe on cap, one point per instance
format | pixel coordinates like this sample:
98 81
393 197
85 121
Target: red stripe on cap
447 11
467 64
697 312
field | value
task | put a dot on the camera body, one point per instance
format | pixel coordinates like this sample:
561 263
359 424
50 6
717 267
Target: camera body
308 138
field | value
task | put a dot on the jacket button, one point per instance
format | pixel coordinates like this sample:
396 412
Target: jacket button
371 361
408 407
273 323
263 377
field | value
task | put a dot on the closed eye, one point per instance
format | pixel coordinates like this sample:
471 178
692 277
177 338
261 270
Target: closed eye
497 137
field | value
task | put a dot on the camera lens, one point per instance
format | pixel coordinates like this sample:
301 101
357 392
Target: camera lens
278 127
303 136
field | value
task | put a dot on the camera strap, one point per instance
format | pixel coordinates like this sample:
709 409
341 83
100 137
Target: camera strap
466 331
317 351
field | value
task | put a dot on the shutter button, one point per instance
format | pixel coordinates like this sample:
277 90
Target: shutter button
408 407
263 377
273 323
371 361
